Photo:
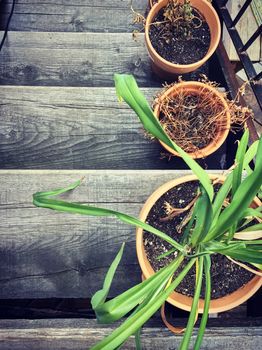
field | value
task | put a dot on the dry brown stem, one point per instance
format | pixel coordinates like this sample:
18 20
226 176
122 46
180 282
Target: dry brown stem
193 120
172 212
137 17
180 16
185 220
177 15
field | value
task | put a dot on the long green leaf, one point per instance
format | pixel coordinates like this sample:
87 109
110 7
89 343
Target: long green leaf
118 307
194 308
58 191
241 200
138 339
100 296
252 242
127 89
225 188
202 327
204 216
220 197
256 227
216 246
238 250
186 234
239 161
154 295
131 325
246 255
41 199
237 174
151 296
250 154
161 256
251 212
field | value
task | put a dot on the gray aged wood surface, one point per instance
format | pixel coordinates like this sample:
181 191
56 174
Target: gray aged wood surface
82 334
72 128
58 110
77 128
73 59
46 254
72 16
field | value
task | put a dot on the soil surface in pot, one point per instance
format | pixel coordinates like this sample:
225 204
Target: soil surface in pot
192 120
180 44
226 277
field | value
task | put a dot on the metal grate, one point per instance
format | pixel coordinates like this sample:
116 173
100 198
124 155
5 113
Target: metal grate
241 48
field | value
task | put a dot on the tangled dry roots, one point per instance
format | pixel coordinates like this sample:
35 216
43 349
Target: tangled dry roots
193 119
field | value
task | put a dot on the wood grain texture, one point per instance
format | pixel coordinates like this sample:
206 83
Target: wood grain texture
78 128
72 59
82 334
76 59
68 16
46 254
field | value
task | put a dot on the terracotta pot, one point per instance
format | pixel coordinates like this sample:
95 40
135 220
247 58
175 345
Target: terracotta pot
164 68
181 301
223 126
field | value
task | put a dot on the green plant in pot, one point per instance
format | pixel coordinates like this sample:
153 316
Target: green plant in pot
197 116
213 228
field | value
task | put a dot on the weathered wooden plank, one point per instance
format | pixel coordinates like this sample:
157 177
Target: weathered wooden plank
75 59
46 254
77 128
68 16
75 111
82 334
125 151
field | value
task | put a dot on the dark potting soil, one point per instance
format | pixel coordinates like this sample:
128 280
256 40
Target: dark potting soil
180 44
226 277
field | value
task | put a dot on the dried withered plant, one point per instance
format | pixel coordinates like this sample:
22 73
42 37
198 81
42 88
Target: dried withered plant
138 18
192 119
177 15
181 17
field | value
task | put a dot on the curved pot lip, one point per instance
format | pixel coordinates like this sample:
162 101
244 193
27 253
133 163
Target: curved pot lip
223 133
181 301
155 8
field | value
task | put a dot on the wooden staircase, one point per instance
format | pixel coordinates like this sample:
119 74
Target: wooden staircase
60 120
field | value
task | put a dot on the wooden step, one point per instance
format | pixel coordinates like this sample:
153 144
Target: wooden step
82 334
76 16
46 254
72 59
75 59
78 128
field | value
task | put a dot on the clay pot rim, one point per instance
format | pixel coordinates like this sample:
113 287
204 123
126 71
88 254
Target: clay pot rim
210 51
194 86
183 302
